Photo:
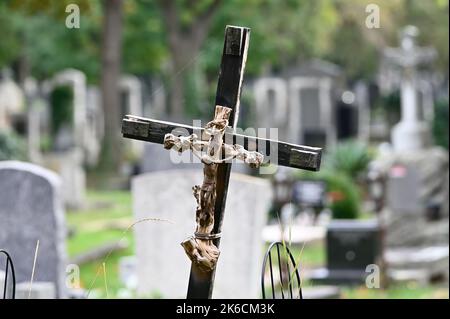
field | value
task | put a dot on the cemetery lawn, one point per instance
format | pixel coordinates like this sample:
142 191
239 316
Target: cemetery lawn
104 220
109 213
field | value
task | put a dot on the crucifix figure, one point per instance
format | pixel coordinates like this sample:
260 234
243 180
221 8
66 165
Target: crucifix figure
412 132
216 145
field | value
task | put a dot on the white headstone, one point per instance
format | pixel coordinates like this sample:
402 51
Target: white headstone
2 282
77 80
31 88
271 98
131 88
94 131
69 166
162 266
317 115
12 100
68 162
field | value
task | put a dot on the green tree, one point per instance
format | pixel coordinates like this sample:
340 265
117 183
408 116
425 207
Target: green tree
111 155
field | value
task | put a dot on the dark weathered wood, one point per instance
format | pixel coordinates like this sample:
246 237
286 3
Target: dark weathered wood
228 93
290 155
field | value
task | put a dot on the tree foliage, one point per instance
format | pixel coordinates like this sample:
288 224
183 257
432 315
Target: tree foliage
283 32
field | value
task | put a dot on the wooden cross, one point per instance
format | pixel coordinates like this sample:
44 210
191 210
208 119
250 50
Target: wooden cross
216 146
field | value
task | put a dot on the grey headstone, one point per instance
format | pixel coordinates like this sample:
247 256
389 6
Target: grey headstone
39 290
321 292
2 282
309 98
30 210
69 166
416 181
155 158
416 215
162 266
418 264
403 189
8 281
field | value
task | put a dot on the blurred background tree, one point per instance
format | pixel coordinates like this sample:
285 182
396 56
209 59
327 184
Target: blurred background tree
181 41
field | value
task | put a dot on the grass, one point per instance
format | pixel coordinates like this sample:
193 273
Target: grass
111 206
102 207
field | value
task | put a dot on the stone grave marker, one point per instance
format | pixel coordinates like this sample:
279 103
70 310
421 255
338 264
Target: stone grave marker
271 101
312 89
416 211
94 129
309 193
351 246
39 290
131 103
163 268
12 101
68 153
412 133
31 210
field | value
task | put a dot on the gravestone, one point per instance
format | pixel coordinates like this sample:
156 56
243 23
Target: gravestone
154 97
271 101
156 158
416 212
39 290
300 103
309 193
131 103
162 267
351 246
364 103
31 210
69 166
12 102
94 129
34 106
76 80
2 282
67 156
312 89
412 133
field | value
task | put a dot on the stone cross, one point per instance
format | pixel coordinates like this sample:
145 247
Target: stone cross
411 133
216 145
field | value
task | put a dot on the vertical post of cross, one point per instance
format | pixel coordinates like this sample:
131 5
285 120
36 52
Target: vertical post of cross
228 94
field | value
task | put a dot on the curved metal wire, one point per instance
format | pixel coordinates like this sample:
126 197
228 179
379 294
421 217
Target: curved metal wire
9 263
268 258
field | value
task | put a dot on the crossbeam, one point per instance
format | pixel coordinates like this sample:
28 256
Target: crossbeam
289 155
